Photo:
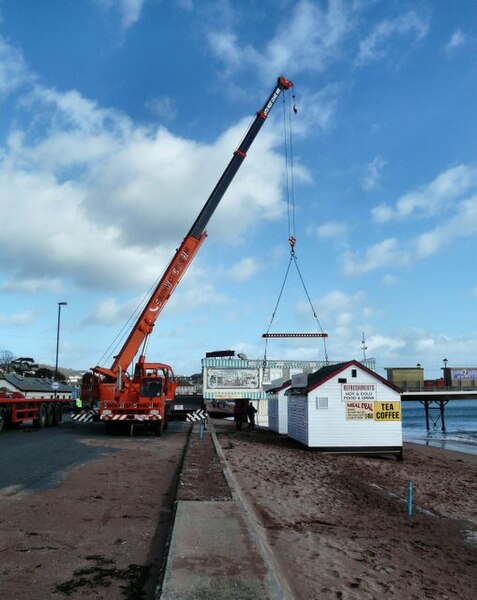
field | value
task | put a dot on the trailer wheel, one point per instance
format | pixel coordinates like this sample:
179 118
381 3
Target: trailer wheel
40 422
59 413
56 414
50 414
2 421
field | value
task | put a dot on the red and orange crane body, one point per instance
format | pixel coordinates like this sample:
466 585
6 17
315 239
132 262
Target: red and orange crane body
144 396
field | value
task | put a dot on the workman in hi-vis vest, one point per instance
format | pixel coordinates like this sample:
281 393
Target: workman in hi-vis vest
79 405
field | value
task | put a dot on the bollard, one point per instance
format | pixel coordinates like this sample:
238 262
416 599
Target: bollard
409 500
201 430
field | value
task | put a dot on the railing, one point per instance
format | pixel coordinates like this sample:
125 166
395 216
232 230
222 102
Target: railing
421 387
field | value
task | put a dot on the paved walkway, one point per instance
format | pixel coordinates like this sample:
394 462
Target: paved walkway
217 550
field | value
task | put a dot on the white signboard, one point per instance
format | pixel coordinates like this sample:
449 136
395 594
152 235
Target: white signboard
232 378
359 411
358 392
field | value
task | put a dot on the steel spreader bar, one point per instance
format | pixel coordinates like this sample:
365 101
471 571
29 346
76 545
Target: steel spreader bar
294 335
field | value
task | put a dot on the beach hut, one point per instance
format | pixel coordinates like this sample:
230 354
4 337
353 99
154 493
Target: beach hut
278 405
345 408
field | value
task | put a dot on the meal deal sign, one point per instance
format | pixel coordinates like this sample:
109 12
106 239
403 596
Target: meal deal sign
358 411
387 411
358 392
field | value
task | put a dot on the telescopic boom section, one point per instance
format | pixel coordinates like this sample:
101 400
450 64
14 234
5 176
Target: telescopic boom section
192 242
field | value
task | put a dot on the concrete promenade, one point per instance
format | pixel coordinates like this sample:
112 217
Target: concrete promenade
218 550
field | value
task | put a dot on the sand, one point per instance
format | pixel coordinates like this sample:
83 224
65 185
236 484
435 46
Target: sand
338 526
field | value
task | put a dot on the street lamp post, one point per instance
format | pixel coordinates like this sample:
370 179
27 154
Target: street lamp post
446 378
60 304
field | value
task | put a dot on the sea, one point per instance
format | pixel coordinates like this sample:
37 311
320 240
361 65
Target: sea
460 422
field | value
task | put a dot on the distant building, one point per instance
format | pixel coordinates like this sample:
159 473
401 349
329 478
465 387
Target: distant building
33 387
406 377
461 377
189 385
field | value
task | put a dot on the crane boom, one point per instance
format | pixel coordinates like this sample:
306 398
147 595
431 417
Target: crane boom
190 245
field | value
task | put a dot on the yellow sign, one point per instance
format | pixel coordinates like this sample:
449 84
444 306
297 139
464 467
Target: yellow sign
387 411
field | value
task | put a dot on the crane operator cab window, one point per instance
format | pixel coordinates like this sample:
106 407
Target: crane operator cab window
151 387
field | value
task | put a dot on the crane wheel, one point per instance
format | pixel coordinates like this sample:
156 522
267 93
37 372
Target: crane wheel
2 421
157 428
108 426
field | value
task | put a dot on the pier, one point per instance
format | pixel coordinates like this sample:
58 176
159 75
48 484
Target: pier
435 399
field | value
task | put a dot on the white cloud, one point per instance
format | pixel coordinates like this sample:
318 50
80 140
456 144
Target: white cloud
314 38
377 44
373 173
13 70
382 343
162 107
457 40
31 286
438 196
332 229
110 312
19 319
96 207
129 11
390 280
338 300
380 255
453 192
245 269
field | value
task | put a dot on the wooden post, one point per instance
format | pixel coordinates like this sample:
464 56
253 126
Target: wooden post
426 406
443 422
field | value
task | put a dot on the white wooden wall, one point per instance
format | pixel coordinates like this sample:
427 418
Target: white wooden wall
278 412
328 427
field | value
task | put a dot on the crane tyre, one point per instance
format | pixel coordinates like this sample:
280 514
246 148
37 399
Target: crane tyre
40 422
157 428
2 421
59 413
109 427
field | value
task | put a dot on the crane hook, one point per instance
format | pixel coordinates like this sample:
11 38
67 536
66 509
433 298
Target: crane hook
292 241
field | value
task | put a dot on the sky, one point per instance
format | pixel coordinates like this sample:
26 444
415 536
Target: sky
118 118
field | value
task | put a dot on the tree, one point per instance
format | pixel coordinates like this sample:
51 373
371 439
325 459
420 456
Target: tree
45 373
6 360
24 365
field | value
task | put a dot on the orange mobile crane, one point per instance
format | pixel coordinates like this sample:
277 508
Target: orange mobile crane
146 396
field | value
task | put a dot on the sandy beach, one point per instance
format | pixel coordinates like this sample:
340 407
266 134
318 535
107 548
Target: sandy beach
338 525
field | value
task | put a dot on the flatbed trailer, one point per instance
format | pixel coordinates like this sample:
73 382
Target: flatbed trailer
16 409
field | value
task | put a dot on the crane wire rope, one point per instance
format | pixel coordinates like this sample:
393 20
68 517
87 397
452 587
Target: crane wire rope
127 327
290 197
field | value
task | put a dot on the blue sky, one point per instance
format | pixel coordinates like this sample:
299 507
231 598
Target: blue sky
118 117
